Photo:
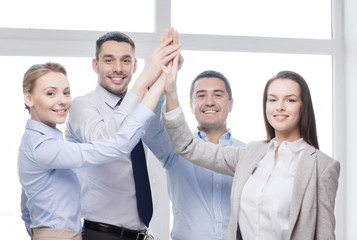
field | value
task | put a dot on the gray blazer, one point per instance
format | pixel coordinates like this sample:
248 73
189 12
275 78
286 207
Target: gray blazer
314 190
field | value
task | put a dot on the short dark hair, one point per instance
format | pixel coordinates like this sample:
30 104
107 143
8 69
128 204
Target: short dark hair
307 122
112 36
212 74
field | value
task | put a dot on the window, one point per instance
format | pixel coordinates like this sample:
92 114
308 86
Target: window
109 15
248 41
276 18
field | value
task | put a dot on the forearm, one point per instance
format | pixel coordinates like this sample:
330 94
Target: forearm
205 154
156 137
172 101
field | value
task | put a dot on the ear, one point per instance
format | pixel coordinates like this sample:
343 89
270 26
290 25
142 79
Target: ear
135 65
95 65
231 105
28 99
191 106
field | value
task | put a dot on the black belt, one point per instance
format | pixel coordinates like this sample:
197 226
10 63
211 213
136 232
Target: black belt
120 232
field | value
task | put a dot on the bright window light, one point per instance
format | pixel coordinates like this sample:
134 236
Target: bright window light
79 15
273 18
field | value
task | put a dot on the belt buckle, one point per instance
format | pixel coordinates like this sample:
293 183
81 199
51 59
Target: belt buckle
143 235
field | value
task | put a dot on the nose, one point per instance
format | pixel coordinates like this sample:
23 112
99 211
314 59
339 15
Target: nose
210 100
64 100
281 106
117 67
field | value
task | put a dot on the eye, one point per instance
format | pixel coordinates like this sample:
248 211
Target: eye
50 94
271 100
292 100
126 60
67 93
108 60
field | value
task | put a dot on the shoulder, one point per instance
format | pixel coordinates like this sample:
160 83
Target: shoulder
254 147
257 144
237 143
82 104
325 164
326 161
84 99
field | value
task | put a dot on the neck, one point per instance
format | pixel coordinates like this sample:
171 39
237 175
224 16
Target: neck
291 137
213 135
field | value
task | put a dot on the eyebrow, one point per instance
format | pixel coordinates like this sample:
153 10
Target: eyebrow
203 91
290 95
111 55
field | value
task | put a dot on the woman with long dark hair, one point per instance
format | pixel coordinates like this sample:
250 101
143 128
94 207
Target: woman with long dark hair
283 187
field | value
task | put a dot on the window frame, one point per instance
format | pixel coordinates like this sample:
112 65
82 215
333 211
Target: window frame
71 43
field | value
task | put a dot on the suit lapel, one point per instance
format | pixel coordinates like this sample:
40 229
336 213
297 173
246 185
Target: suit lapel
302 178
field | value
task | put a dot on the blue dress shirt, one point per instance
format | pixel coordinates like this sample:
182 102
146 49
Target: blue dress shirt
50 196
200 197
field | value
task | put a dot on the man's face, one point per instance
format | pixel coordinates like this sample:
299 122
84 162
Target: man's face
115 66
210 104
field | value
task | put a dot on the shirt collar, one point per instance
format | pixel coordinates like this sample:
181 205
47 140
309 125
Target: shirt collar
295 146
43 129
108 97
223 140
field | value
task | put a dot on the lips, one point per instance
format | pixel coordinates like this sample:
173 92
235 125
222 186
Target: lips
280 117
117 79
210 111
60 111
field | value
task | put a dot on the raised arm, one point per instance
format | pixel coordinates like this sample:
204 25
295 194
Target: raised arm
160 57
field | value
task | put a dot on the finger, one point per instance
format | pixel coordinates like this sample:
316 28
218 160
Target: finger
167 34
169 58
175 37
165 43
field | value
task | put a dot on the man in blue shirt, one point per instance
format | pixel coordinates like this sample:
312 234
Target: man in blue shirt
200 197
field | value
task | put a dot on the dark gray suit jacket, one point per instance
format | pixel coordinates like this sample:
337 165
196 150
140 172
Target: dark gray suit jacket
315 184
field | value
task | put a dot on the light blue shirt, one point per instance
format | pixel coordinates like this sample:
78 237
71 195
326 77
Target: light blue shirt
50 196
107 191
200 197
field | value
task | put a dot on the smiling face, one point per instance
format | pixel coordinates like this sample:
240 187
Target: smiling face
50 99
115 66
283 109
210 104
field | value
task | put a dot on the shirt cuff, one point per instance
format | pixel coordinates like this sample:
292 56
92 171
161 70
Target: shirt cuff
173 114
129 103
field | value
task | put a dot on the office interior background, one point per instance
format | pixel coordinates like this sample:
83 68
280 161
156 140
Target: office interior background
248 41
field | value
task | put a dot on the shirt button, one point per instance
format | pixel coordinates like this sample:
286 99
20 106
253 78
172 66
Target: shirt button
217 185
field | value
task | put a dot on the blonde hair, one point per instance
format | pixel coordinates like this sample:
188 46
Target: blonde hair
36 71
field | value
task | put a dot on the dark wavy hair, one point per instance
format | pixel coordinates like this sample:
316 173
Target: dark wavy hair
307 122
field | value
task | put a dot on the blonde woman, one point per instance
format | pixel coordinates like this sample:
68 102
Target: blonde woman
50 188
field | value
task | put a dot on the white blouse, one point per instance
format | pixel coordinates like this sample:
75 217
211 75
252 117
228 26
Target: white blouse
265 201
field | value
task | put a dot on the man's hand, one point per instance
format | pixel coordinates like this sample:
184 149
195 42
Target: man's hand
159 58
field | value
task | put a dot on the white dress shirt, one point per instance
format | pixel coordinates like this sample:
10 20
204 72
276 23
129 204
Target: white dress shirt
107 191
265 202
